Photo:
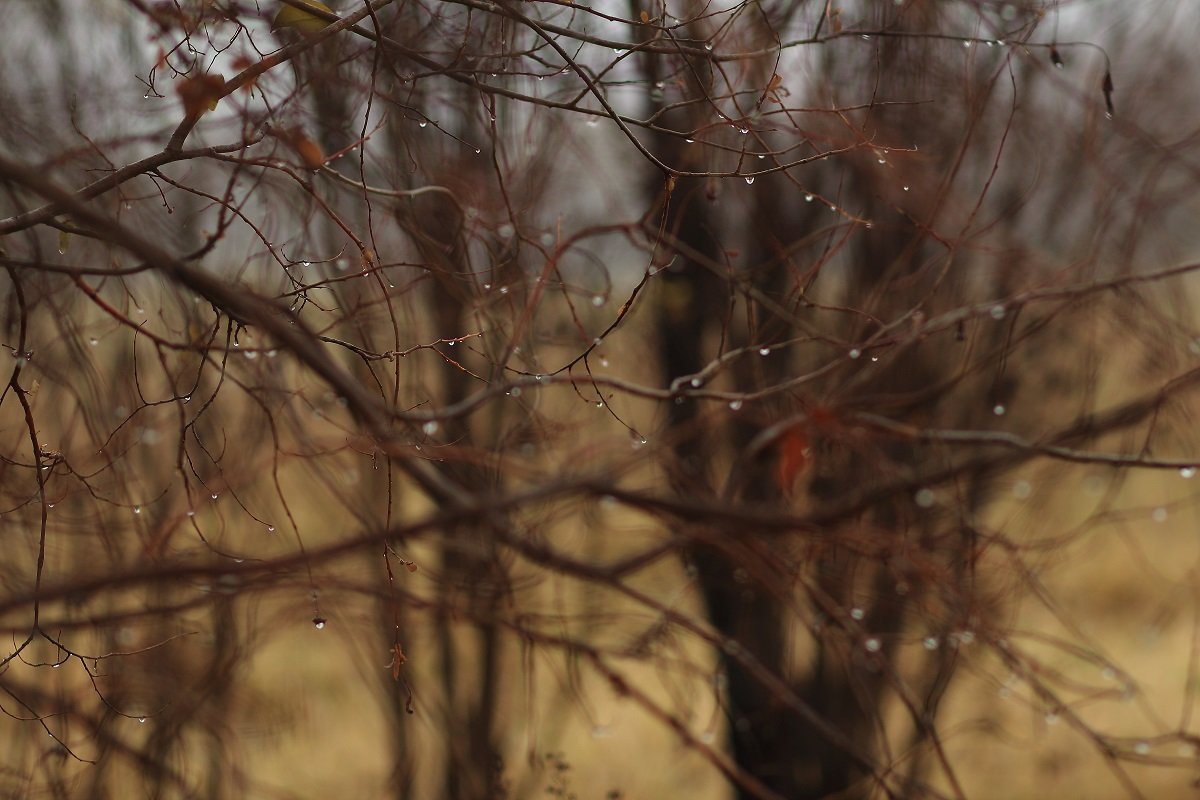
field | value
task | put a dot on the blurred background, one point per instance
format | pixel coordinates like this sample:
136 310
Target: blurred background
483 399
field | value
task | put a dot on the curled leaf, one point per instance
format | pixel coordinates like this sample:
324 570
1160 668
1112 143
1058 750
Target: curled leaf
1107 88
398 659
201 93
310 152
775 90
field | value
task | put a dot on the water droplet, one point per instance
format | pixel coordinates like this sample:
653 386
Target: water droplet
516 391
966 637
430 428
866 38
743 131
1021 490
998 410
318 622
735 405
478 151
749 179
141 720
537 378
597 300
708 46
872 645
930 643
854 353
93 341
1142 748
187 398
422 124
214 495
603 361
593 122
503 290
1187 472
270 529
883 161
905 188
689 141
191 513
966 44
250 355
997 312
857 613
506 230
924 498
808 198
1159 514
137 509
1051 718
599 404
764 351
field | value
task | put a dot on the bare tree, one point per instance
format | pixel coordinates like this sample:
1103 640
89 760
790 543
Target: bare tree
784 375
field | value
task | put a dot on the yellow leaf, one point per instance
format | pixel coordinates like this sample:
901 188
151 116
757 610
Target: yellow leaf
645 17
64 242
297 19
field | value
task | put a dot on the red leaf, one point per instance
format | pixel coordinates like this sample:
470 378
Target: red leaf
201 93
794 455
